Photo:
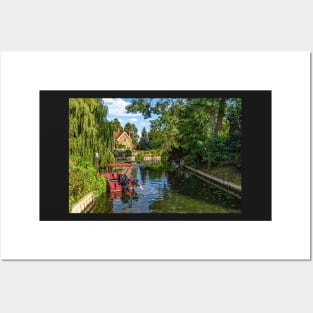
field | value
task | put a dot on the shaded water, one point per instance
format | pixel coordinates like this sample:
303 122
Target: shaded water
168 191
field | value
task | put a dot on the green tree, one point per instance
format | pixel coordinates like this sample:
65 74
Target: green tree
234 117
116 125
198 129
156 139
89 131
144 140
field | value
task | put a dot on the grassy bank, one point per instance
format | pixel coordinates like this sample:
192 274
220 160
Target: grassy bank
227 173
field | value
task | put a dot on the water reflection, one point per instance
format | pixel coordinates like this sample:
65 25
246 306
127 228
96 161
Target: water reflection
168 191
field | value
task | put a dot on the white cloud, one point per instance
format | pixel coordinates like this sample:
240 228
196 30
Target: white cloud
117 106
133 119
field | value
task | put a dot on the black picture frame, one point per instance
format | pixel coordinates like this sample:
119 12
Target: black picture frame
256 155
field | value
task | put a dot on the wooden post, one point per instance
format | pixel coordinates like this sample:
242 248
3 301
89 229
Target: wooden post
97 165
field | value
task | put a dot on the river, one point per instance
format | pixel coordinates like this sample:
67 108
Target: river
168 191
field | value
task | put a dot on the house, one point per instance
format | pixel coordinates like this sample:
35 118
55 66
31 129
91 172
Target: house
122 140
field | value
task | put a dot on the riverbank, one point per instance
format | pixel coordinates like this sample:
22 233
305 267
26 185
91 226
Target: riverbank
83 180
81 205
226 185
227 173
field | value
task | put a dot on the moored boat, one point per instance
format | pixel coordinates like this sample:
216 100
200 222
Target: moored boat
118 182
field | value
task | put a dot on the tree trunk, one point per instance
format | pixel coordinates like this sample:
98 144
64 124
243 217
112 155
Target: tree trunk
212 116
220 116
209 165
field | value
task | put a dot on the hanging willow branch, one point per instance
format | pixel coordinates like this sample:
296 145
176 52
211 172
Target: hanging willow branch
89 131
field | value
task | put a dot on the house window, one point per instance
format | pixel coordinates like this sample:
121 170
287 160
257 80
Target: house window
124 139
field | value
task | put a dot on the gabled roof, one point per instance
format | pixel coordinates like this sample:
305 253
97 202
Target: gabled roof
117 133
121 135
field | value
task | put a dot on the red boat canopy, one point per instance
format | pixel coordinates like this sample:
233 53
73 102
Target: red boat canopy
119 164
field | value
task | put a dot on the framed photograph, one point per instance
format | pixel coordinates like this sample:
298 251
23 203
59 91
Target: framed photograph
155 155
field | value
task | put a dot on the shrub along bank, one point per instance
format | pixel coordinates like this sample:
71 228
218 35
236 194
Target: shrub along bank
83 179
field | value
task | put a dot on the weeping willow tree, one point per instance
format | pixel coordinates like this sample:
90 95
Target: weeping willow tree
89 131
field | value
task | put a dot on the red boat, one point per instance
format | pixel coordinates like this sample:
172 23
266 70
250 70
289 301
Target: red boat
118 182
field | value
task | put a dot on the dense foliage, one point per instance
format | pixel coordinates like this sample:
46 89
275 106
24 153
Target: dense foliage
116 125
127 153
197 130
82 179
89 132
139 157
144 140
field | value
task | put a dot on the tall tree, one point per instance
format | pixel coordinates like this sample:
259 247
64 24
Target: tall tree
89 131
144 140
116 125
203 128
156 139
221 112
234 117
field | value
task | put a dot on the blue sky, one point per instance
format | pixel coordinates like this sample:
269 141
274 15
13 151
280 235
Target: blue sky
117 109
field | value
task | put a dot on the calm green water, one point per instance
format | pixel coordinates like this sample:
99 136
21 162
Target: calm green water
169 191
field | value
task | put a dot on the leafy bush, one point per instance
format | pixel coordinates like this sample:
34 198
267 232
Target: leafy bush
82 180
101 186
128 153
189 159
213 150
139 157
